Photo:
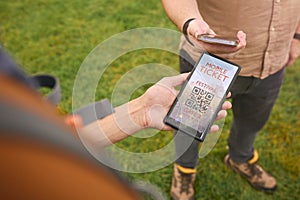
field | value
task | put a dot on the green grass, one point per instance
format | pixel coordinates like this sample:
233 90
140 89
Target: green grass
54 37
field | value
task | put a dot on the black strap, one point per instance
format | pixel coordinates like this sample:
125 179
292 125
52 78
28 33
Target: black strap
95 111
89 113
50 82
10 68
297 36
184 29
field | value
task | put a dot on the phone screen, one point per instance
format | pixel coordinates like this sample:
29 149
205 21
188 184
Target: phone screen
201 97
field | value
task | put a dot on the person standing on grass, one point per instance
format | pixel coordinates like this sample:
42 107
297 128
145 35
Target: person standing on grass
273 43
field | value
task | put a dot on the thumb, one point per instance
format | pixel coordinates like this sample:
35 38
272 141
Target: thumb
174 81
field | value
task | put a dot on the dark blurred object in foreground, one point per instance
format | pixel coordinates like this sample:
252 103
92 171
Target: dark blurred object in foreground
40 157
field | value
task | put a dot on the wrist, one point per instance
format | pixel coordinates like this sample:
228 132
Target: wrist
185 29
185 25
137 113
129 117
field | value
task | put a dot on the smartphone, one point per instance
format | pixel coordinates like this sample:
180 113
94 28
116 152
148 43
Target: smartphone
217 40
202 95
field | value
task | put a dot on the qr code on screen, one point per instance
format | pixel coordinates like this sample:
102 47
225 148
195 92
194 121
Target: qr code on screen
199 99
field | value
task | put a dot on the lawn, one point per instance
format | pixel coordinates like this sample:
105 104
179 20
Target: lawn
55 37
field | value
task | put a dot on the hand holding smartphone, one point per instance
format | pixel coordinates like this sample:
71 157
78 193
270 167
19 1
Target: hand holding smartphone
202 95
217 40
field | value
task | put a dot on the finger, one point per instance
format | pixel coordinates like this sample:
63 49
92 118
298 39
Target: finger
174 80
199 27
221 114
228 95
226 105
167 128
214 128
211 32
242 39
290 61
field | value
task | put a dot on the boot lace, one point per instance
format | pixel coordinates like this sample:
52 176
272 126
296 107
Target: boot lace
185 181
255 170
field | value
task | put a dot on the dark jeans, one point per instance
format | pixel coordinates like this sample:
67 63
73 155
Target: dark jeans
252 100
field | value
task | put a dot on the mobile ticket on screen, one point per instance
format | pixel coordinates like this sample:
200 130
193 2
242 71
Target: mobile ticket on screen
201 97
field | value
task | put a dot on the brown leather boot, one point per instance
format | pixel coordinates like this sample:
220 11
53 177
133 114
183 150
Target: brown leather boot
183 183
255 174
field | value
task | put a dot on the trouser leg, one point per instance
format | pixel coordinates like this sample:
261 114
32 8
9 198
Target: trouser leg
252 101
186 147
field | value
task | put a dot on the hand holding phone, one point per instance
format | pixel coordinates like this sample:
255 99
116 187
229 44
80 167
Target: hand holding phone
217 40
201 97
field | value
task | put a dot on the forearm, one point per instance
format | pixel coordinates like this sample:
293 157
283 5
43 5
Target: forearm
127 120
147 111
180 11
